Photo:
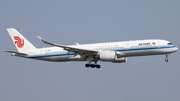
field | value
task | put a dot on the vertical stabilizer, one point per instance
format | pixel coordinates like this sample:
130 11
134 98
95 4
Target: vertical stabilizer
21 43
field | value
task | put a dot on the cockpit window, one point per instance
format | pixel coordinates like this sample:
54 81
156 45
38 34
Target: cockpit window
170 44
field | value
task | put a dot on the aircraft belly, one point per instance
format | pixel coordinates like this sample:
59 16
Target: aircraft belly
162 51
61 58
58 58
137 53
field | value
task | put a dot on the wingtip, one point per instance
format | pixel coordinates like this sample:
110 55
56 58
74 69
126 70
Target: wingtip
40 38
6 50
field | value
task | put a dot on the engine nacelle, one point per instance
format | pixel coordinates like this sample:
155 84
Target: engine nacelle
111 57
107 56
120 60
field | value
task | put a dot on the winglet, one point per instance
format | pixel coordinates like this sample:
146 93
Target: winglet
44 41
40 38
77 43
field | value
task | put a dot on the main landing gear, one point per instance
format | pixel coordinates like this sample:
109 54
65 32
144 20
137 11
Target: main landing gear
167 57
93 65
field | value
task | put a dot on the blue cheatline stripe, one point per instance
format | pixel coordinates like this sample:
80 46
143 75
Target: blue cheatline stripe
49 55
146 48
120 50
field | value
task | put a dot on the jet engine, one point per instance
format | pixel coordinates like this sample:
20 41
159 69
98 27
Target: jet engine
111 57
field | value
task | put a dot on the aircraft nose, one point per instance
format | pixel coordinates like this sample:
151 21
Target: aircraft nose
175 49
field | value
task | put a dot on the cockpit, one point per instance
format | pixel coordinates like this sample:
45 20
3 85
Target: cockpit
169 43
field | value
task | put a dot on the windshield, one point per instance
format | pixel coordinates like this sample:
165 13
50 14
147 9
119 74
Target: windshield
170 44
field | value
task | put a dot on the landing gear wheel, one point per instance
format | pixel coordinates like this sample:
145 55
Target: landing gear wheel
166 60
92 66
87 65
98 66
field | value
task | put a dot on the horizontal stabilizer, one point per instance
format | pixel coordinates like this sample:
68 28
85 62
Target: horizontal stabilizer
16 53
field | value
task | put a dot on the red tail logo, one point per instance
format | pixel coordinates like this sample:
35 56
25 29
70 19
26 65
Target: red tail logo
19 41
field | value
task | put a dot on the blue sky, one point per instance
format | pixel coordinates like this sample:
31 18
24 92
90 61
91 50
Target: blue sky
66 22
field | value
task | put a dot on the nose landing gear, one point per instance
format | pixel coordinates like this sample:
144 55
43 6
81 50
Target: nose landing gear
92 65
166 60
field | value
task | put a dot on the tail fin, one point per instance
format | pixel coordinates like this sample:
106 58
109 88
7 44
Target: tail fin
21 43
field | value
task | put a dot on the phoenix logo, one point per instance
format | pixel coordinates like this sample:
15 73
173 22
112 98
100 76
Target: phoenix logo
19 41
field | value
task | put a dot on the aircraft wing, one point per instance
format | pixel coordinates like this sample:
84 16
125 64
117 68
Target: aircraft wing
16 53
79 51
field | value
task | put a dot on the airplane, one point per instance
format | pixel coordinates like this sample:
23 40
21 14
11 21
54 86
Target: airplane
114 52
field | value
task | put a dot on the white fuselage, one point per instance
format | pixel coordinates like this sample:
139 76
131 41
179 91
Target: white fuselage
123 49
115 52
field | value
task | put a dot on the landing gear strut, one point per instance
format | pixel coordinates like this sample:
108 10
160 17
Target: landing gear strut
92 65
167 58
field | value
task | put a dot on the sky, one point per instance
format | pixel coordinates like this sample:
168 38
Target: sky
147 78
